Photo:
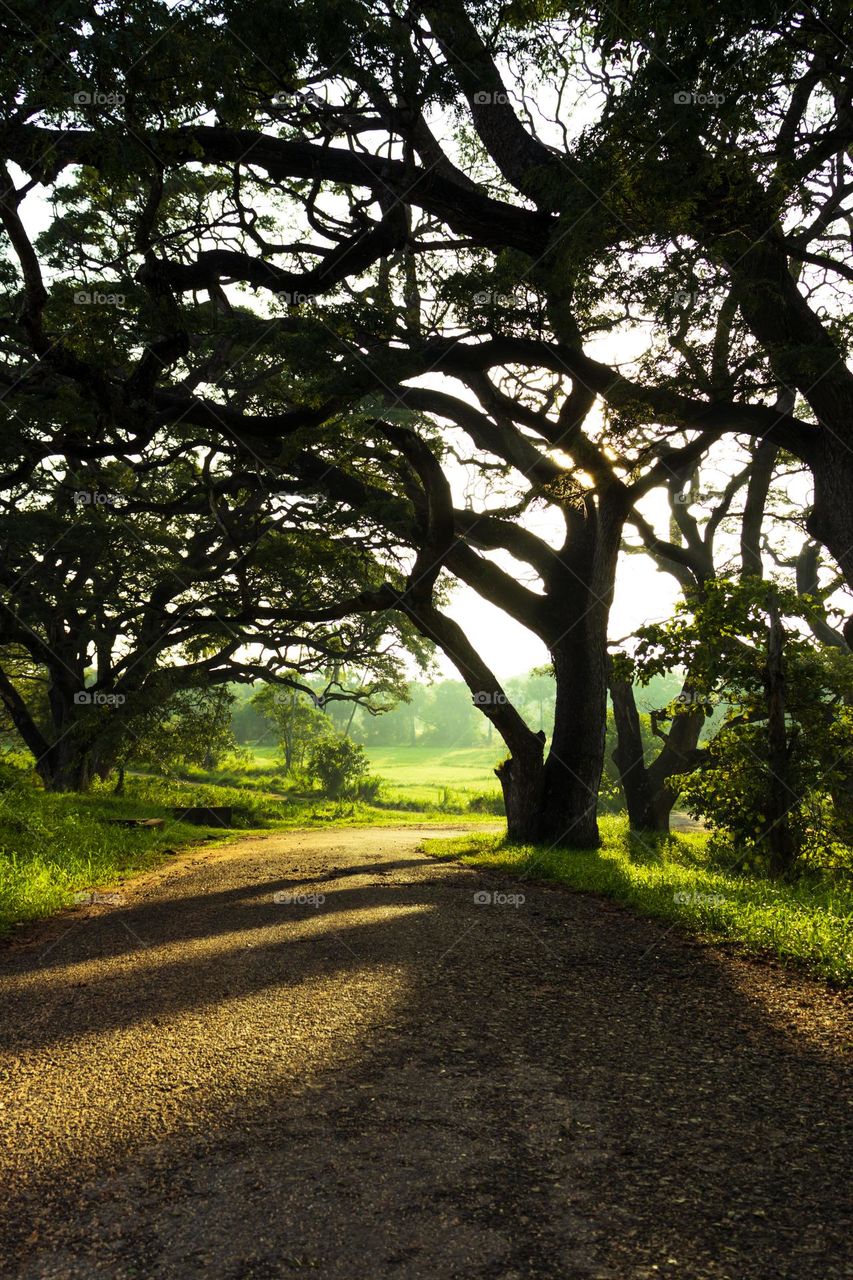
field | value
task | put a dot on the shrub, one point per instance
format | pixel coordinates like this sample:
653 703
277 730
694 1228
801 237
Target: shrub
487 802
339 765
367 790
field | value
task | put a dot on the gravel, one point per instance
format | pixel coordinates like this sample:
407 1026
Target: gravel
318 1053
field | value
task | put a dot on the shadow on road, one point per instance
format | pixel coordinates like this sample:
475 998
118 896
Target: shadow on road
397 1081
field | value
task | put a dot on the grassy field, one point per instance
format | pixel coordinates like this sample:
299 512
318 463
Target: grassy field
427 774
53 847
809 922
446 778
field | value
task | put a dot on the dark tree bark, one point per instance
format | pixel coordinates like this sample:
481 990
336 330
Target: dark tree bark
580 592
629 757
521 778
831 519
761 474
780 838
652 790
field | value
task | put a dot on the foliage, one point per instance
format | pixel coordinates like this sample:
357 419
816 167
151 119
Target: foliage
300 230
192 727
722 638
339 764
53 845
298 723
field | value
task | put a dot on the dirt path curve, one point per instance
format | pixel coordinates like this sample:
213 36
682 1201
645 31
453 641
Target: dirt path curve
399 1081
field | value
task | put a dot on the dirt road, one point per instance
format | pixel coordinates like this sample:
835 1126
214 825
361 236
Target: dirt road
380 1075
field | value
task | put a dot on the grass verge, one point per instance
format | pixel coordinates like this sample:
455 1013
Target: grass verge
54 846
809 922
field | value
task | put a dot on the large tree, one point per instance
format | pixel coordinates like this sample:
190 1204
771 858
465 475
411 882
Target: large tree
431 220
127 582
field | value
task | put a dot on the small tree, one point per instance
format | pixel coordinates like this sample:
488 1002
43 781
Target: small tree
298 724
769 778
339 764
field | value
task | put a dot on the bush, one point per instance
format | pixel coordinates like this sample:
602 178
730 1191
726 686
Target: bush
339 765
16 768
368 789
487 802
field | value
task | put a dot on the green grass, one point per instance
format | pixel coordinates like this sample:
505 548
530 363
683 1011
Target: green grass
465 768
53 846
807 922
418 774
439 779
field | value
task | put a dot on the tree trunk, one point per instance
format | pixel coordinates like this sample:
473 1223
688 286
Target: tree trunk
521 779
643 813
780 838
66 767
831 520
79 750
650 790
521 775
580 594
573 768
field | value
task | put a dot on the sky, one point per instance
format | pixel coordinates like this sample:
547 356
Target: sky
643 594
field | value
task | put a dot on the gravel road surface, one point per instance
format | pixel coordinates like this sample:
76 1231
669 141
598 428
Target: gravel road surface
323 1054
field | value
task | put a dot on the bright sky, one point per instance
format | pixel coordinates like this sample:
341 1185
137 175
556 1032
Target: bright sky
642 595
